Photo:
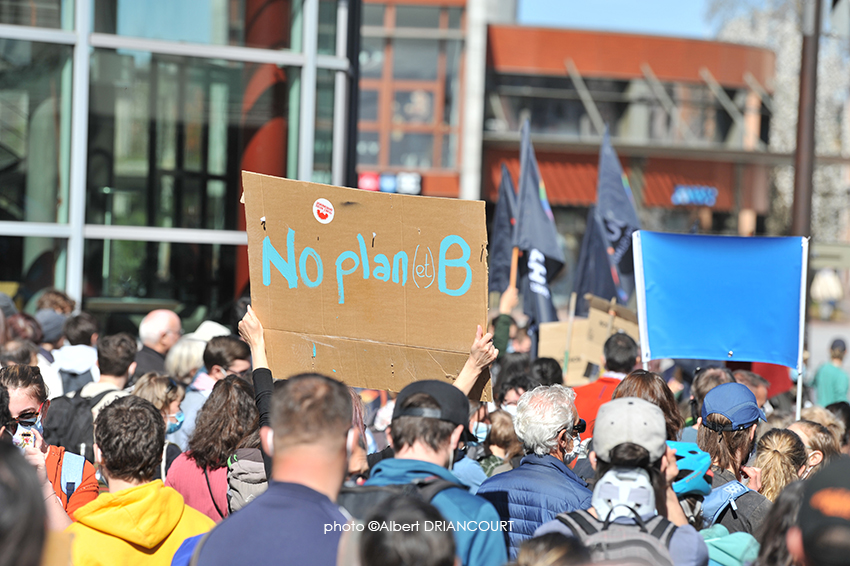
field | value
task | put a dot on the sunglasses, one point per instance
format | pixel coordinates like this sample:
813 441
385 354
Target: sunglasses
577 428
27 420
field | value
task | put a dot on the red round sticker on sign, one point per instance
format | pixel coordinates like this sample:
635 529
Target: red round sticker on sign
323 210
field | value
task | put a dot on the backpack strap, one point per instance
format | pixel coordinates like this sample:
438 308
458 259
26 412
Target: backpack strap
72 473
663 529
580 522
430 487
716 501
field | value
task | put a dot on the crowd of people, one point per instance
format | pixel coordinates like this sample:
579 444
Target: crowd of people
165 448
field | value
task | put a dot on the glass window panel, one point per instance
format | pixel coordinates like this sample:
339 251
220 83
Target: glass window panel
454 17
165 129
323 141
182 276
368 148
368 106
371 57
415 107
35 130
373 15
417 17
412 150
451 101
29 265
449 151
415 59
54 14
250 23
327 27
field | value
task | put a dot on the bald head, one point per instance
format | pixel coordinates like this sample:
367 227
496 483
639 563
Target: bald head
160 330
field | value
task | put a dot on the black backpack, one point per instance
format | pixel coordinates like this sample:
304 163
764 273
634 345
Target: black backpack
70 424
360 500
74 381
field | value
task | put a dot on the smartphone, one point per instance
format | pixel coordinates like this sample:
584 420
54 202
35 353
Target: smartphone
27 439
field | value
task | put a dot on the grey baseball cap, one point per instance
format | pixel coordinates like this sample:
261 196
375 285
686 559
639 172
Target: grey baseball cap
630 419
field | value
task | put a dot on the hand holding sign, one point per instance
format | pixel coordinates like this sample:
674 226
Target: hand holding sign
375 289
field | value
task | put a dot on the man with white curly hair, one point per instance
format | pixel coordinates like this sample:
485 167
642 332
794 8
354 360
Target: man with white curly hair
543 485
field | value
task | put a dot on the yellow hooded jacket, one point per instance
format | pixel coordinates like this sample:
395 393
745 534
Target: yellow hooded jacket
145 524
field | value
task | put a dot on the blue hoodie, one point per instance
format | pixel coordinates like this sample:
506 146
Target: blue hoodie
477 543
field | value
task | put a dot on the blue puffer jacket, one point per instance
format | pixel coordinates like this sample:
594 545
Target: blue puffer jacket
532 494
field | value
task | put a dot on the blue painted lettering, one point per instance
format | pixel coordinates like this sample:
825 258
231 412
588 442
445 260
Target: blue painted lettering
462 261
363 257
382 268
400 260
302 267
340 272
285 267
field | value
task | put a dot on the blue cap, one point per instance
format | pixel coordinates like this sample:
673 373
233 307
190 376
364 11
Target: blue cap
735 402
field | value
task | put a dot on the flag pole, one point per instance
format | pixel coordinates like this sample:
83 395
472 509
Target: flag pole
514 262
572 319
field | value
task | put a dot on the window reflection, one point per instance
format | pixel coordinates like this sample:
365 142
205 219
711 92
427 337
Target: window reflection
30 265
35 121
167 134
249 23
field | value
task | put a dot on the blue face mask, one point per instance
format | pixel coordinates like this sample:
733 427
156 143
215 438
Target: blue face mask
17 440
481 431
174 427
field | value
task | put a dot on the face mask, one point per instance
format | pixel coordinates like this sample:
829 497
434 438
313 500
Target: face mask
174 427
18 440
510 409
481 431
573 454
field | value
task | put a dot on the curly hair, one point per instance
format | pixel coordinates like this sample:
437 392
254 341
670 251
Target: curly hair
228 416
541 414
130 434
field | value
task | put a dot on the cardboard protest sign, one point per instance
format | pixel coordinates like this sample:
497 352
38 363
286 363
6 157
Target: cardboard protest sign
375 289
588 338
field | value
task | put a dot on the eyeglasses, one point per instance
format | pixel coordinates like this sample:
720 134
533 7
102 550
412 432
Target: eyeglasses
172 385
577 428
28 420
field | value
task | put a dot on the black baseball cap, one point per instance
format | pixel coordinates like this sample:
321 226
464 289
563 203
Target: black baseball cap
838 344
454 406
826 504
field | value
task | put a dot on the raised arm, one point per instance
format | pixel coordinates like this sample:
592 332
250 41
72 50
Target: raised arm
481 355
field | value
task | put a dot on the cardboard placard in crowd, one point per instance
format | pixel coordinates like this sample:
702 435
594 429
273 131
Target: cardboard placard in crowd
587 340
375 289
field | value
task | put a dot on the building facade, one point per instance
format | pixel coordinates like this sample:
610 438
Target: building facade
124 126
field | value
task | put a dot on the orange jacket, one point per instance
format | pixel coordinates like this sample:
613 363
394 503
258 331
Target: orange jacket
592 396
84 493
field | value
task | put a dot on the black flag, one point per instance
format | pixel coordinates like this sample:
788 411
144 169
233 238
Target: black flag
502 234
535 234
615 212
593 272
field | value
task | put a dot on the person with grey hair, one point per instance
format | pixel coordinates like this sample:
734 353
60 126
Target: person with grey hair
158 332
543 485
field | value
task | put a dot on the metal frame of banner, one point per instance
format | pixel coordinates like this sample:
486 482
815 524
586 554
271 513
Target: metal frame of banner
803 288
640 294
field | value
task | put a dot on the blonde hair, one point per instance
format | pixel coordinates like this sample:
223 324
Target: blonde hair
780 455
823 416
820 439
160 390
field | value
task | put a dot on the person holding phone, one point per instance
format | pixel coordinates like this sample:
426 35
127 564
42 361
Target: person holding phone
68 481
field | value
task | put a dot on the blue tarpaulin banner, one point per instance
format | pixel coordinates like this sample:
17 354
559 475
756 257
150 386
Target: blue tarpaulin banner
721 297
